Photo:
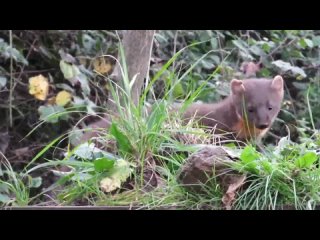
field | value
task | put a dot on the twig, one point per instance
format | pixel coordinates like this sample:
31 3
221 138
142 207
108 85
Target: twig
11 81
174 48
277 48
24 65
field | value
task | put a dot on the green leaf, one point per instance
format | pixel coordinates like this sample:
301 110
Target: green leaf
266 47
84 84
215 59
178 90
248 157
122 140
214 43
4 198
267 166
52 113
102 164
88 42
308 42
256 50
316 41
305 42
241 45
69 70
302 43
285 66
85 151
206 64
4 188
265 72
35 182
306 160
16 55
121 170
249 154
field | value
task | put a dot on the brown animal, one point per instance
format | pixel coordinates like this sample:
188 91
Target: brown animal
248 112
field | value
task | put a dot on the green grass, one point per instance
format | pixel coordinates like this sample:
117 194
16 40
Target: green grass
14 189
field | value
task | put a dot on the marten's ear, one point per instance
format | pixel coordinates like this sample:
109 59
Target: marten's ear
277 83
237 86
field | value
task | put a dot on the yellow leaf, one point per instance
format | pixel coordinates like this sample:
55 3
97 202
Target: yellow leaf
39 87
101 66
109 184
63 98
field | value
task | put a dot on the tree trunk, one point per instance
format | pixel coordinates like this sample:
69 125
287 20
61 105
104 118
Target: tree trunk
137 45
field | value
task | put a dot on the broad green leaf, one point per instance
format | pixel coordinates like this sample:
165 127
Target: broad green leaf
308 42
16 55
303 43
69 70
52 113
4 198
249 154
85 151
285 66
265 72
266 47
316 41
248 157
306 160
121 170
103 164
267 166
178 90
122 140
214 43
84 84
35 182
4 188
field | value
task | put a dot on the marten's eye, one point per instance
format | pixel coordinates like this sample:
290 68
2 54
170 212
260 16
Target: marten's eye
269 108
250 110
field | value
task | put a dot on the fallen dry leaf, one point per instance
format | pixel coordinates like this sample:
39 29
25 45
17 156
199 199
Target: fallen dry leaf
109 184
22 151
39 87
229 196
102 66
63 98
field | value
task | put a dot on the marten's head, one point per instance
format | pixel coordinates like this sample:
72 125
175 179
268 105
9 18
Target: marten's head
258 100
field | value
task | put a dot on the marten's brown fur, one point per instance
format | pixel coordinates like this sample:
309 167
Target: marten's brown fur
248 112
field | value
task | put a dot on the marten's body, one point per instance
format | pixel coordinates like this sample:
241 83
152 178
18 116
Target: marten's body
247 113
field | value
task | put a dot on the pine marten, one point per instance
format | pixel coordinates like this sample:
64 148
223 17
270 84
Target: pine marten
248 112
